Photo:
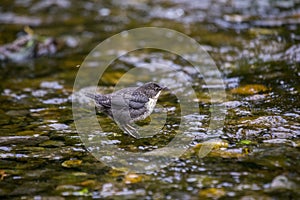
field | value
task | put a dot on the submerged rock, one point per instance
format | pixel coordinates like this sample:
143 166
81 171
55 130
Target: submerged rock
213 193
71 163
249 89
133 178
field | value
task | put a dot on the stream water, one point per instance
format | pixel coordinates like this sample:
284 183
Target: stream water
256 47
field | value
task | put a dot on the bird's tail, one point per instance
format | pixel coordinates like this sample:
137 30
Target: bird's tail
90 95
100 99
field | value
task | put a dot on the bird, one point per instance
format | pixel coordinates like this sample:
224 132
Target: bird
128 105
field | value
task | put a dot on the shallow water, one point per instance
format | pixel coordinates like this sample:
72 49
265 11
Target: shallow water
255 46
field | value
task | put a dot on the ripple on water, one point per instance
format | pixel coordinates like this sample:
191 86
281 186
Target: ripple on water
51 85
55 101
58 126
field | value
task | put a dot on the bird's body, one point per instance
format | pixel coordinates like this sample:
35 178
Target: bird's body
128 105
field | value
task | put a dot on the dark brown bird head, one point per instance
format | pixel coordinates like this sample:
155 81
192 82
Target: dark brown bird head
151 89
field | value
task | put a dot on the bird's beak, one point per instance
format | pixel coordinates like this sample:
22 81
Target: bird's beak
165 88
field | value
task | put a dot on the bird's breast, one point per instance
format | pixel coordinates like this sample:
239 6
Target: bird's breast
150 104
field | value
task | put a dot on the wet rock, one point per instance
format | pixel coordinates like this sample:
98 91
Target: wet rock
280 141
214 193
62 188
228 153
249 89
4 118
52 143
39 93
16 113
71 163
257 196
14 18
46 46
178 195
33 149
281 182
23 140
51 85
256 97
268 121
55 101
73 141
267 127
207 147
262 31
234 104
21 49
27 133
59 127
108 189
133 178
31 187
71 41
248 187
28 46
89 183
49 198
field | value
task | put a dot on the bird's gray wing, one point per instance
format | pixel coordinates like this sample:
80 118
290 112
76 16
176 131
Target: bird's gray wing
120 101
129 98
138 101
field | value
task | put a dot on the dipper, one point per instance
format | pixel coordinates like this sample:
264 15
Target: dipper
128 105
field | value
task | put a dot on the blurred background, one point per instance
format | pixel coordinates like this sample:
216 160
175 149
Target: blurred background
255 44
